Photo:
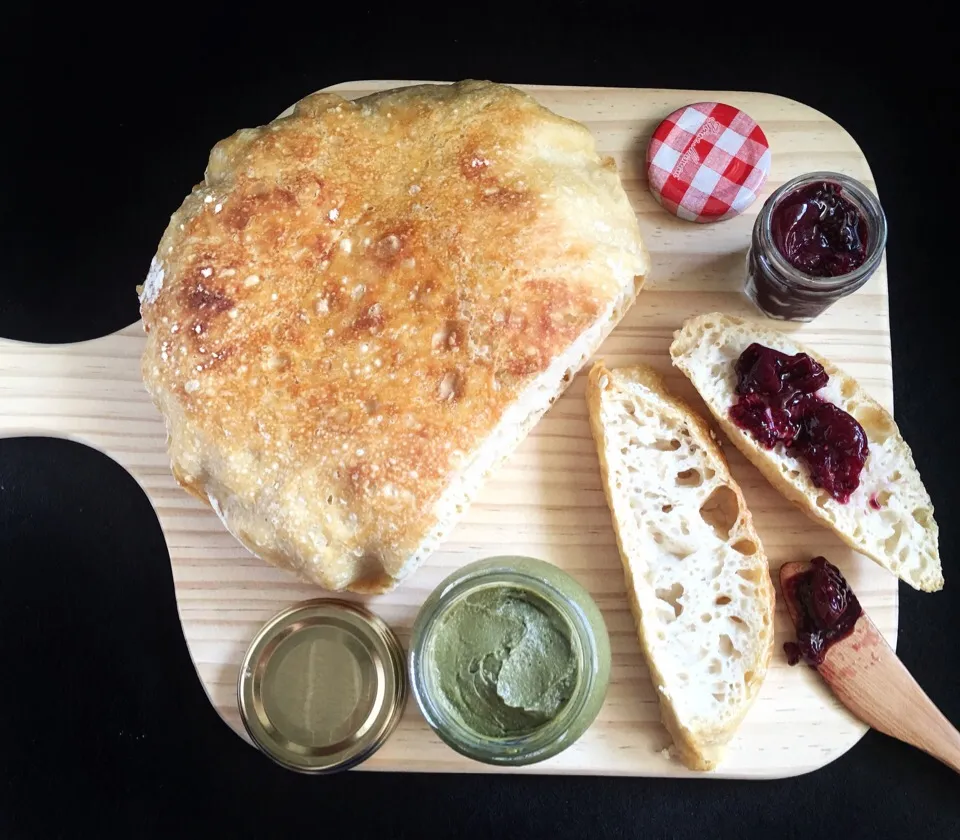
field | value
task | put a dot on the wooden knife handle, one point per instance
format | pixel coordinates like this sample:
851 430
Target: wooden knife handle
868 677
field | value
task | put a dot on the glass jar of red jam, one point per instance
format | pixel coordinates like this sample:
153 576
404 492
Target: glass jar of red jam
817 239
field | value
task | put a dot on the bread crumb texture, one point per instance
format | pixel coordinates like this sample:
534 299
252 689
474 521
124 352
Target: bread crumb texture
696 571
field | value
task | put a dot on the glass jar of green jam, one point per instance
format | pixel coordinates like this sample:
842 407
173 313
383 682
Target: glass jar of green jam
509 660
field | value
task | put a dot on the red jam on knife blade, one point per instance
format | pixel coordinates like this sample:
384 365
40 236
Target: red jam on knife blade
827 611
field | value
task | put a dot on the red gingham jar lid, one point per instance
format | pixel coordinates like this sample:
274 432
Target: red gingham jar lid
706 162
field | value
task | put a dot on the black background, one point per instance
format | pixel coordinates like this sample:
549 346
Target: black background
107 122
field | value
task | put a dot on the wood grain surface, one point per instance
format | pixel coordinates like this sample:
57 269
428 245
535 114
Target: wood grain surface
547 500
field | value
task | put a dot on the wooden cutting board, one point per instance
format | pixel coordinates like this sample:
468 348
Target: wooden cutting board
547 500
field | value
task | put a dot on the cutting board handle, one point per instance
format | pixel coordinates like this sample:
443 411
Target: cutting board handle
89 391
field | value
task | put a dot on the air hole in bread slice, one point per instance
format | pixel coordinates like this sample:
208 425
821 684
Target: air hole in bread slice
882 498
891 542
745 547
667 508
722 600
922 516
719 696
748 677
689 478
728 648
720 511
848 388
875 421
822 498
737 620
753 575
715 667
706 618
672 597
667 545
671 445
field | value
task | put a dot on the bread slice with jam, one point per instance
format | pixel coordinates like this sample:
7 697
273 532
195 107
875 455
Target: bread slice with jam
888 515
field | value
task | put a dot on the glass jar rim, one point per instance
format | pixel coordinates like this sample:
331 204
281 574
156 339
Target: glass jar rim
866 202
556 734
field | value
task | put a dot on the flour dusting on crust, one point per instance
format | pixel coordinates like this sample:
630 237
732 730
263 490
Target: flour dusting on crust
153 283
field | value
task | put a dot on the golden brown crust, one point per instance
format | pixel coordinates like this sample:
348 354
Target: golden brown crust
340 314
698 748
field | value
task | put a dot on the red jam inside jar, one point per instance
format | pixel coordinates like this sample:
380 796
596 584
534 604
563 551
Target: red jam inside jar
816 239
819 231
779 404
827 611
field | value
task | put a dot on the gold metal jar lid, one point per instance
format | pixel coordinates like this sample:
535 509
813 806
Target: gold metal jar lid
322 686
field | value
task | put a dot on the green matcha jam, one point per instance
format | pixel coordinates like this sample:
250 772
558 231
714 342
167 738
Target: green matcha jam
503 660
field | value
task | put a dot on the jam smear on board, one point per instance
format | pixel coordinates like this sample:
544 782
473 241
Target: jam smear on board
819 232
779 404
827 611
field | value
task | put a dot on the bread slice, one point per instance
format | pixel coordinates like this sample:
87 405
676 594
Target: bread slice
889 517
696 573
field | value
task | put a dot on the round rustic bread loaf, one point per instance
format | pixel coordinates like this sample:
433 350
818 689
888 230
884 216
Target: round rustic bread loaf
366 305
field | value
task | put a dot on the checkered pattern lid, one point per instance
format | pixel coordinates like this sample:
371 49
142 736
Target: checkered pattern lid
706 162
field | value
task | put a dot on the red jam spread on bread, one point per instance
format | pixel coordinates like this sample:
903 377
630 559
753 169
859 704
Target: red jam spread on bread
779 404
819 232
827 611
